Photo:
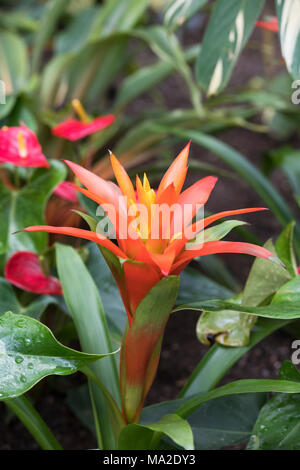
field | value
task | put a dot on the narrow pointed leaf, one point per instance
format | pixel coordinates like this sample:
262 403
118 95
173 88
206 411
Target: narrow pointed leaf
26 413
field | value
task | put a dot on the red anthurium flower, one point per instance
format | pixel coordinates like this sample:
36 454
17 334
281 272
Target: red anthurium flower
270 25
66 191
19 146
23 270
298 270
149 247
73 129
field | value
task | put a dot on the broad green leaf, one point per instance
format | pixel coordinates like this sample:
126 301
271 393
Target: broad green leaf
109 293
29 352
268 276
287 12
285 250
285 304
179 11
47 26
167 47
277 426
238 387
148 77
225 327
25 207
84 303
26 413
9 301
14 62
77 32
9 104
225 421
221 47
194 284
116 16
136 436
79 401
288 294
219 359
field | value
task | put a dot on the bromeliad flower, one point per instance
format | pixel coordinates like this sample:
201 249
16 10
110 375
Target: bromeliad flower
73 129
156 236
24 270
19 146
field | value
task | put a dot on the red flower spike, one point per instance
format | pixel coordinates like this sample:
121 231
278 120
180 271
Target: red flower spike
73 129
20 146
23 270
142 258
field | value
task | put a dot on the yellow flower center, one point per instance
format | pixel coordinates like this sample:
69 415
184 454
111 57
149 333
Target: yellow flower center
80 111
23 153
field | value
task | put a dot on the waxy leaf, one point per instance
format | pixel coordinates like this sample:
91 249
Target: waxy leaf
9 301
219 359
277 426
289 27
84 303
29 352
222 46
225 327
268 276
19 209
136 436
14 62
221 422
179 11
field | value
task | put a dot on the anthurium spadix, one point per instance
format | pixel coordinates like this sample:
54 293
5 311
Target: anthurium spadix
157 234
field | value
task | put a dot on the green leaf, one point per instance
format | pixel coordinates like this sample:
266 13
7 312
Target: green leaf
29 352
82 298
47 26
179 11
285 304
148 77
268 276
14 62
228 328
238 387
116 16
20 209
24 410
215 233
135 436
225 421
221 47
277 426
194 284
9 301
289 35
109 293
285 250
219 359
